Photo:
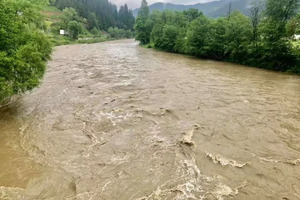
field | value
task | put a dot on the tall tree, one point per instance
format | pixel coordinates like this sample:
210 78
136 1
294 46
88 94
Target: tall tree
141 29
255 17
281 11
275 43
126 18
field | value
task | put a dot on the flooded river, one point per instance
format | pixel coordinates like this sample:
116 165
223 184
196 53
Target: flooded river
114 121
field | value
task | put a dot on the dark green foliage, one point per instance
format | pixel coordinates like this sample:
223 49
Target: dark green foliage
198 35
92 21
126 18
281 11
71 22
259 40
24 48
74 28
293 26
142 29
99 13
169 37
119 33
191 14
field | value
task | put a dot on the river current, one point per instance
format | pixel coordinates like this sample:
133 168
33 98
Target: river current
114 121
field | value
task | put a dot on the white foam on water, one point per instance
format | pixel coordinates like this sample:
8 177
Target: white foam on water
223 190
219 159
114 118
187 138
268 160
294 162
12 193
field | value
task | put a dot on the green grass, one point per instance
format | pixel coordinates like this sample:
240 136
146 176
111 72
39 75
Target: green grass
148 46
91 41
59 40
51 13
50 9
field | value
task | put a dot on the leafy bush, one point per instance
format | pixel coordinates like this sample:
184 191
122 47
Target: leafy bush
24 48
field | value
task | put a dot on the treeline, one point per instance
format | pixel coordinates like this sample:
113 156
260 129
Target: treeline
24 48
261 40
119 33
100 14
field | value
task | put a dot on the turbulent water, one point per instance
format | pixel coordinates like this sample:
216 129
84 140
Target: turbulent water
114 121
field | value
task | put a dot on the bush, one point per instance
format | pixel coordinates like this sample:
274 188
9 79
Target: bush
24 48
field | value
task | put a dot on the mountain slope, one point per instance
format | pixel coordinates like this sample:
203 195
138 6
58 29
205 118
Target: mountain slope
212 9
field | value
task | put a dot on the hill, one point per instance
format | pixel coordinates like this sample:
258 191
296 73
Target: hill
212 9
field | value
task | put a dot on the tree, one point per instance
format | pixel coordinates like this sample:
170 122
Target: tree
293 26
255 16
198 35
69 14
169 37
142 31
237 37
24 48
126 18
191 14
92 21
281 11
277 50
74 28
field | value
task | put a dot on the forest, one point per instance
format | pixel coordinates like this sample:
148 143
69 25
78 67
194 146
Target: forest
263 39
100 14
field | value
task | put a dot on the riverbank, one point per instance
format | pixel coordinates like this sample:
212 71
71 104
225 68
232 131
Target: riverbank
62 40
294 71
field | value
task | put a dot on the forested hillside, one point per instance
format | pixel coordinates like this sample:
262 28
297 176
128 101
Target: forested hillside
100 13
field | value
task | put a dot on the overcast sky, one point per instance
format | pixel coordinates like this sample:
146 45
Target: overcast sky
136 3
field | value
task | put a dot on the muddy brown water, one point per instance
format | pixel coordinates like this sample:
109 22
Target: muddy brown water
114 121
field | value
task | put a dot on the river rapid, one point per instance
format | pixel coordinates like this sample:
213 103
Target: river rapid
114 121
